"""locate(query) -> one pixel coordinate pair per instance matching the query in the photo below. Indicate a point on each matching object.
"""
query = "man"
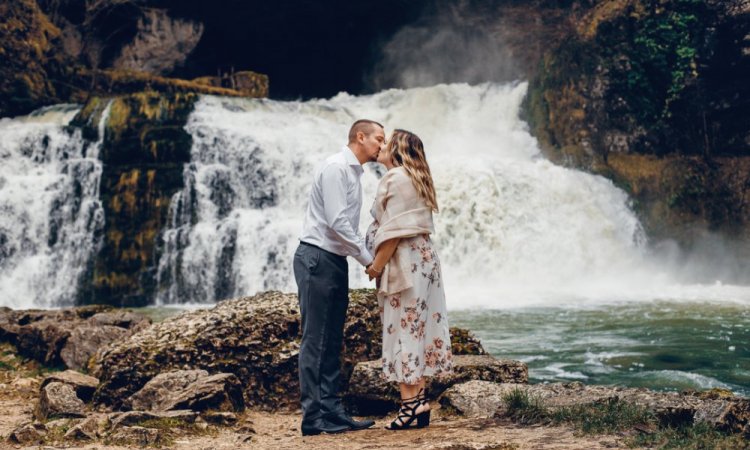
(330, 234)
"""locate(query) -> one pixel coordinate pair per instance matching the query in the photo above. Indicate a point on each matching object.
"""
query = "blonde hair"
(406, 150)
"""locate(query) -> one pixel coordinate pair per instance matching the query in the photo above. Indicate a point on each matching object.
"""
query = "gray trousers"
(323, 289)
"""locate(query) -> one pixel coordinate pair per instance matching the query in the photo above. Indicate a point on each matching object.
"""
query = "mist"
(456, 43)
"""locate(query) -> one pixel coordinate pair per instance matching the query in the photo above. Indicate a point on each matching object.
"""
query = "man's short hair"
(363, 125)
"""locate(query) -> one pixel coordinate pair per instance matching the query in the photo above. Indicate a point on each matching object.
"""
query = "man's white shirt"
(332, 217)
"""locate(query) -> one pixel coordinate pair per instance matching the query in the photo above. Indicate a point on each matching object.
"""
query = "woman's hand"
(373, 273)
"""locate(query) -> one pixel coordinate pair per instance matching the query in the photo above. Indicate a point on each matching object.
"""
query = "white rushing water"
(513, 229)
(51, 211)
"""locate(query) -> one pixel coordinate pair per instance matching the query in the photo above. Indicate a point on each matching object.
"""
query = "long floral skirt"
(416, 339)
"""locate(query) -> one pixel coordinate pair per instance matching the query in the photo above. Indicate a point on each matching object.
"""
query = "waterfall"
(51, 210)
(512, 225)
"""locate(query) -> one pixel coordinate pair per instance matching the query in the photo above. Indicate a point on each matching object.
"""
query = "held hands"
(373, 273)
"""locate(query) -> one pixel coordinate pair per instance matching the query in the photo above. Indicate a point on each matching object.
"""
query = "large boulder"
(159, 390)
(254, 338)
(83, 385)
(84, 341)
(190, 389)
(370, 393)
(59, 400)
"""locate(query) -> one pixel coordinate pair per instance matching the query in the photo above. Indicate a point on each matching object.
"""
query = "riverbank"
(224, 377)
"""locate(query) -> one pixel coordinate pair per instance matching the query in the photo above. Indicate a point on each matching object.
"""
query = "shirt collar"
(350, 158)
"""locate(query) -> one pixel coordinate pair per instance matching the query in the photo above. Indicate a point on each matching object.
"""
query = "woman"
(416, 340)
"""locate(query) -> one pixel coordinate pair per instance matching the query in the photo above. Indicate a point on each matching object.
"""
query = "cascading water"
(51, 211)
(512, 227)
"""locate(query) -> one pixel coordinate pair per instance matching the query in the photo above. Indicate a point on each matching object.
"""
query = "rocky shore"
(225, 377)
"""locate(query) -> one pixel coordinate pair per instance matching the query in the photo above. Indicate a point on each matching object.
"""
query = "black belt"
(321, 249)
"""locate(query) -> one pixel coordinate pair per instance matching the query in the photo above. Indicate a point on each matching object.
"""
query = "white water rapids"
(51, 211)
(514, 229)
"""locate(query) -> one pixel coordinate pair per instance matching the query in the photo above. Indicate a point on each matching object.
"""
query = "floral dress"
(416, 339)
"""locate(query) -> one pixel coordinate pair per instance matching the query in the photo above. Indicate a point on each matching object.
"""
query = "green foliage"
(654, 58)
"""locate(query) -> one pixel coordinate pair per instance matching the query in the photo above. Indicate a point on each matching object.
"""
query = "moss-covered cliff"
(38, 68)
(654, 95)
(143, 154)
(30, 57)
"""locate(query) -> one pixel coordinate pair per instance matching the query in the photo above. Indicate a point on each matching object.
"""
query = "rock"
(43, 340)
(190, 389)
(86, 430)
(63, 423)
(84, 341)
(221, 391)
(28, 434)
(473, 398)
(120, 318)
(59, 400)
(139, 436)
(369, 393)
(254, 338)
(26, 385)
(84, 385)
(160, 43)
(674, 409)
(131, 418)
(220, 418)
(68, 337)
(158, 391)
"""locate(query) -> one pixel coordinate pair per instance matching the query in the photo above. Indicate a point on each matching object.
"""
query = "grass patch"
(608, 417)
(526, 409)
(166, 423)
(617, 416)
(695, 437)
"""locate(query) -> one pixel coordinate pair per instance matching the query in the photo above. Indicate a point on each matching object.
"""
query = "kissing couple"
(396, 252)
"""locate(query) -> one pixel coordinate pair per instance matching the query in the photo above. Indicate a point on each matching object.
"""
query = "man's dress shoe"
(322, 426)
(344, 419)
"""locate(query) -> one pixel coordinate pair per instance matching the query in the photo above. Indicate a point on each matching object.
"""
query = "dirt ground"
(19, 387)
(281, 431)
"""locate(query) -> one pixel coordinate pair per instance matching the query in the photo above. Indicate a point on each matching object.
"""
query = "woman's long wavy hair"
(406, 150)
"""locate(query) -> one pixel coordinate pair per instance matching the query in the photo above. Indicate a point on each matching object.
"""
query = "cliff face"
(144, 150)
(653, 94)
(53, 52)
(29, 55)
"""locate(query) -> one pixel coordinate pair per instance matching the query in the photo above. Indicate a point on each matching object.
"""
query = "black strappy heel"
(423, 419)
(407, 414)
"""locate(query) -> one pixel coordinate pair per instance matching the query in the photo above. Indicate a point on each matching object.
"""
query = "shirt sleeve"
(334, 189)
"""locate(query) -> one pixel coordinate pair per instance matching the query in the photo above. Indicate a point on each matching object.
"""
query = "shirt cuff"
(364, 257)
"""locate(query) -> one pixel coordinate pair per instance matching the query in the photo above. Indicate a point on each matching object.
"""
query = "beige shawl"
(400, 213)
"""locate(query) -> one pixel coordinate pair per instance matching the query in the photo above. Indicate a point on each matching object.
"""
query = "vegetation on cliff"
(652, 94)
